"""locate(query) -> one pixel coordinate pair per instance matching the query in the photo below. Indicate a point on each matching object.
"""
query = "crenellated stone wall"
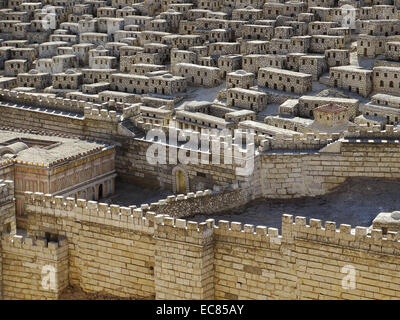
(106, 126)
(291, 173)
(207, 202)
(308, 261)
(33, 269)
(184, 259)
(111, 248)
(128, 253)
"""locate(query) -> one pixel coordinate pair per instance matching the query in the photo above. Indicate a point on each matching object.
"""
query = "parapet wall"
(69, 105)
(307, 141)
(128, 253)
(41, 101)
(291, 174)
(111, 248)
(205, 202)
(305, 262)
(102, 114)
(130, 218)
(316, 141)
(100, 125)
(374, 132)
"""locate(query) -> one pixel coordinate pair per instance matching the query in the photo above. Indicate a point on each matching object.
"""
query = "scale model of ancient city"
(199, 149)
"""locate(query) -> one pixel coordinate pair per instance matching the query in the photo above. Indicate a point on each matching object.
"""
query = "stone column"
(184, 259)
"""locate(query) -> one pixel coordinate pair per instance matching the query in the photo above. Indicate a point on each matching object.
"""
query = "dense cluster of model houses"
(254, 53)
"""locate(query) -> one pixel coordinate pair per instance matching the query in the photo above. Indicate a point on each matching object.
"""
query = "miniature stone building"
(247, 99)
(351, 78)
(307, 105)
(313, 64)
(253, 62)
(382, 110)
(155, 116)
(196, 75)
(257, 32)
(386, 79)
(240, 79)
(15, 66)
(67, 80)
(265, 129)
(331, 115)
(164, 84)
(240, 115)
(393, 50)
(36, 160)
(337, 57)
(197, 121)
(34, 78)
(285, 80)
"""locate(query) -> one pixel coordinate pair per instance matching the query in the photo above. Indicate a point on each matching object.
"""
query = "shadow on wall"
(127, 194)
(356, 202)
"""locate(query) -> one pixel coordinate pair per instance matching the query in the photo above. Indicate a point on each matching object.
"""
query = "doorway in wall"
(180, 181)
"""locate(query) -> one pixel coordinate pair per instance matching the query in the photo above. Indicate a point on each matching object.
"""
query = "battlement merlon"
(375, 132)
(174, 198)
(131, 217)
(260, 235)
(54, 250)
(359, 237)
(44, 101)
(299, 141)
(102, 115)
(190, 232)
(90, 110)
(166, 227)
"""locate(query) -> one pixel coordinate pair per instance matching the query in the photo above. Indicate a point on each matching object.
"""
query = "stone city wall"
(205, 202)
(111, 248)
(33, 269)
(34, 118)
(103, 125)
(308, 141)
(305, 262)
(283, 175)
(292, 174)
(124, 252)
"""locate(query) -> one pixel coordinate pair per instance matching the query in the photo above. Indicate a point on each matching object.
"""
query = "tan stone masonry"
(124, 252)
